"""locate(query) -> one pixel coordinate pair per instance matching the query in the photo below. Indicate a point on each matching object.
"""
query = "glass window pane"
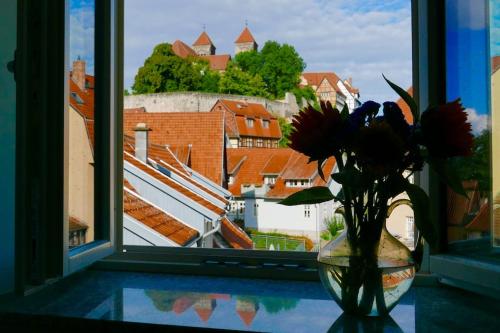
(81, 123)
(209, 104)
(495, 116)
(471, 75)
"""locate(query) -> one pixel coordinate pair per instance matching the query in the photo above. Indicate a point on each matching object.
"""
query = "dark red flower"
(446, 132)
(317, 134)
(379, 149)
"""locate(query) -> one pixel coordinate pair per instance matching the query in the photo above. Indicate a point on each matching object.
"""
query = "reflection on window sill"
(141, 299)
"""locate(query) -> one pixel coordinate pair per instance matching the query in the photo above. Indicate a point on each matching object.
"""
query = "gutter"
(214, 230)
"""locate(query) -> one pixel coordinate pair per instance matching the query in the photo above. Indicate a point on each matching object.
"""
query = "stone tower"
(203, 45)
(245, 42)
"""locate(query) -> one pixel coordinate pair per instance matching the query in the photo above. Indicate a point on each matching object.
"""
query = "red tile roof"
(183, 153)
(182, 50)
(292, 171)
(245, 37)
(203, 39)
(247, 109)
(480, 222)
(315, 79)
(405, 108)
(283, 162)
(236, 114)
(164, 157)
(237, 238)
(203, 130)
(82, 101)
(234, 162)
(218, 62)
(173, 184)
(255, 160)
(75, 224)
(495, 64)
(158, 220)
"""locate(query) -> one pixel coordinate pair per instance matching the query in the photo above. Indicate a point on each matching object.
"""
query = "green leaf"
(308, 196)
(447, 174)
(407, 98)
(349, 176)
(421, 212)
(344, 114)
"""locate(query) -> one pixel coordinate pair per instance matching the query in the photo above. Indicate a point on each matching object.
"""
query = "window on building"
(410, 227)
(249, 122)
(307, 211)
(270, 179)
(255, 207)
(260, 143)
(265, 123)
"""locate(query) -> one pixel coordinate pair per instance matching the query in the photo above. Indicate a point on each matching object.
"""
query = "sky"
(362, 39)
(354, 38)
(81, 32)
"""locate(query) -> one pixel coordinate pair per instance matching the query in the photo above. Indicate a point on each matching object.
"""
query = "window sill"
(471, 274)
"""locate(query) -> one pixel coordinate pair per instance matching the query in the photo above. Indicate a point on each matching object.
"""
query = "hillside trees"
(279, 65)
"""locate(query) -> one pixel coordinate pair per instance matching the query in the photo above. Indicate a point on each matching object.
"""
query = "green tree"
(239, 82)
(476, 166)
(164, 71)
(209, 79)
(279, 65)
(286, 129)
(306, 93)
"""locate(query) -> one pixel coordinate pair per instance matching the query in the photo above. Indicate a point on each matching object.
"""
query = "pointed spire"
(245, 36)
(203, 39)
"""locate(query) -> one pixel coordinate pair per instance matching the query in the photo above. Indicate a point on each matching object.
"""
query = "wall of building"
(290, 220)
(397, 222)
(81, 174)
(326, 88)
(8, 14)
(203, 102)
(168, 200)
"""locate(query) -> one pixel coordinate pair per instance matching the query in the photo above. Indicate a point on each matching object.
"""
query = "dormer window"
(77, 98)
(298, 183)
(249, 122)
(265, 123)
(270, 180)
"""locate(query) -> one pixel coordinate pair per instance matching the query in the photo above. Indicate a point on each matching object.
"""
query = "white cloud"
(358, 39)
(479, 122)
(81, 33)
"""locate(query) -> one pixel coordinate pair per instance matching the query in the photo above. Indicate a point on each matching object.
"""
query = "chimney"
(78, 73)
(141, 142)
(350, 81)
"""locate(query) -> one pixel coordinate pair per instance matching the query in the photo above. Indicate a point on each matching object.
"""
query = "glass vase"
(367, 284)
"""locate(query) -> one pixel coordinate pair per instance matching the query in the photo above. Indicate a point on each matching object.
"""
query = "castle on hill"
(204, 47)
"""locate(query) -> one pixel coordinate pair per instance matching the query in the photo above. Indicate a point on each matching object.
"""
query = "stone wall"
(203, 102)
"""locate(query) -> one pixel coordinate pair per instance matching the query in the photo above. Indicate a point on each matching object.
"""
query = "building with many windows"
(249, 124)
(330, 88)
(260, 178)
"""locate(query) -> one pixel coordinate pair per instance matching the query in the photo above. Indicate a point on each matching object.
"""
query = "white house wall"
(291, 220)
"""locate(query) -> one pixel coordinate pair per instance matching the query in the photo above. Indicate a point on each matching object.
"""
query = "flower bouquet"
(366, 270)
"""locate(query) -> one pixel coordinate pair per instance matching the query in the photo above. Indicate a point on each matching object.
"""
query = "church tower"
(203, 46)
(245, 42)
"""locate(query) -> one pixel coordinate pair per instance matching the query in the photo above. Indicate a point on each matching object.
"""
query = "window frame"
(108, 129)
(430, 75)
(427, 28)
